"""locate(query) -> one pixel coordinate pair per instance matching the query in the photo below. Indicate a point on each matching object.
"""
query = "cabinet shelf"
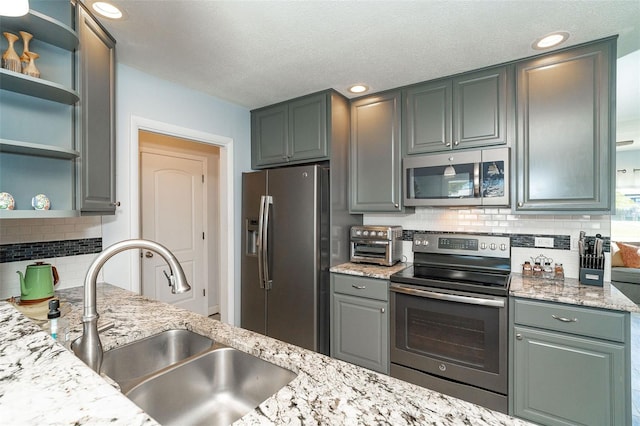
(43, 28)
(40, 150)
(37, 214)
(37, 87)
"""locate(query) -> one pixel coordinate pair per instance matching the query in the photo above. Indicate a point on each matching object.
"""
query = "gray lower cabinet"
(97, 177)
(566, 130)
(360, 321)
(569, 364)
(291, 132)
(375, 154)
(471, 110)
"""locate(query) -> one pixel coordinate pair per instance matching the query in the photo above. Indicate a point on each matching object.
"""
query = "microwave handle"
(476, 180)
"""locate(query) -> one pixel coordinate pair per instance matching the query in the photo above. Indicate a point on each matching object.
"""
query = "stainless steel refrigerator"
(285, 254)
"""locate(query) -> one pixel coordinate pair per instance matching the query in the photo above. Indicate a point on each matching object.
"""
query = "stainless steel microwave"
(464, 178)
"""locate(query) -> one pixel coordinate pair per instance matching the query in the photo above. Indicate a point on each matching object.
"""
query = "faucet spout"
(89, 346)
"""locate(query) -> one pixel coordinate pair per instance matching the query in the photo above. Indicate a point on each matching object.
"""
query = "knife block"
(592, 270)
(590, 276)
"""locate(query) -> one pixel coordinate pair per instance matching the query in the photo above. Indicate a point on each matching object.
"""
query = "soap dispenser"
(58, 328)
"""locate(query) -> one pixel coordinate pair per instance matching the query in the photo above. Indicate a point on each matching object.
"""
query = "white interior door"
(173, 208)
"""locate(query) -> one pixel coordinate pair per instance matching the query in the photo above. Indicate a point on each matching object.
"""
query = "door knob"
(148, 255)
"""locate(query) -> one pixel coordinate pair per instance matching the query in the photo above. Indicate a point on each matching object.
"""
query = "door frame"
(226, 243)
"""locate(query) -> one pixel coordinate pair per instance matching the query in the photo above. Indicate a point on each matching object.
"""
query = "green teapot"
(38, 281)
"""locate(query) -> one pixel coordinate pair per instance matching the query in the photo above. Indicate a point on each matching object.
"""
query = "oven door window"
(459, 333)
(371, 250)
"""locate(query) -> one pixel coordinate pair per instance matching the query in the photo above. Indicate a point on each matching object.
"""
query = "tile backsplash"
(69, 244)
(74, 232)
(522, 228)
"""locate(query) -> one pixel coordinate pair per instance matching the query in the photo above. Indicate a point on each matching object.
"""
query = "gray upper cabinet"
(56, 131)
(290, 133)
(471, 110)
(565, 132)
(375, 154)
(96, 57)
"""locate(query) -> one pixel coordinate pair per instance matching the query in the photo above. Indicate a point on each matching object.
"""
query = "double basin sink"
(180, 377)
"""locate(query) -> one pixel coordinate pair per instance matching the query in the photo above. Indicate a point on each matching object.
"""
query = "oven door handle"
(447, 297)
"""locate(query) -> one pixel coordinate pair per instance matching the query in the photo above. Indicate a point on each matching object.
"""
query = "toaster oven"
(380, 245)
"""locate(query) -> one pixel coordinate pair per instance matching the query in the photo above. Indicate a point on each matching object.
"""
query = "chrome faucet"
(88, 347)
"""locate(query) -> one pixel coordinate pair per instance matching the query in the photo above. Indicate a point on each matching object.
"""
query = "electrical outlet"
(544, 242)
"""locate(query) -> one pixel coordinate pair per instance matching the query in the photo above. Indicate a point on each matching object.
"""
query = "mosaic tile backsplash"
(46, 249)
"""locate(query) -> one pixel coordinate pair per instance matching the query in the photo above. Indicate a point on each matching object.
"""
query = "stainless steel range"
(449, 317)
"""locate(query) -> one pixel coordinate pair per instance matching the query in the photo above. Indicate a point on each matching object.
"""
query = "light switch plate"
(544, 242)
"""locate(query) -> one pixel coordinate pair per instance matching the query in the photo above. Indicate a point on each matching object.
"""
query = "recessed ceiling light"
(14, 8)
(550, 40)
(358, 88)
(107, 10)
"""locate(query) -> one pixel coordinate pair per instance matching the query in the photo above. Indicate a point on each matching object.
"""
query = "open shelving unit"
(24, 150)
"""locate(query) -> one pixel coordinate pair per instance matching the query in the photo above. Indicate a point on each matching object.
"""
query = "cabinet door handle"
(116, 204)
(396, 205)
(359, 287)
(456, 143)
(447, 144)
(519, 336)
(563, 319)
(382, 310)
(520, 204)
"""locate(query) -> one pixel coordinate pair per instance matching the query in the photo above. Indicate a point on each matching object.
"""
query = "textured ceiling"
(255, 53)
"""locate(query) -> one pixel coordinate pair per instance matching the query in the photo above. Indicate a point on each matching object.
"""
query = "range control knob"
(503, 247)
(483, 246)
(492, 246)
(380, 234)
(365, 233)
(358, 232)
(418, 242)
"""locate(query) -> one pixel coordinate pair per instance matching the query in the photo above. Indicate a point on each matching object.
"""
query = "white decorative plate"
(40, 202)
(6, 201)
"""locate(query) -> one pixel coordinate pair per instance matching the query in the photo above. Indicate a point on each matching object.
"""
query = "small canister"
(537, 269)
(559, 271)
(527, 269)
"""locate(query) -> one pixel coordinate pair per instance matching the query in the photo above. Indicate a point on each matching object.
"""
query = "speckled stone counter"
(371, 271)
(570, 291)
(43, 383)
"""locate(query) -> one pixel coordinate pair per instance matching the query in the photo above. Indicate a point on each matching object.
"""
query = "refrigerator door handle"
(265, 239)
(260, 242)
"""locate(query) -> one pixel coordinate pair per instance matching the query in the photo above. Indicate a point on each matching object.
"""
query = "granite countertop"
(41, 382)
(570, 291)
(367, 270)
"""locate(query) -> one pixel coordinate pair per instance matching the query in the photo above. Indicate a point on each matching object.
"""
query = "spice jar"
(537, 269)
(527, 269)
(547, 270)
(559, 271)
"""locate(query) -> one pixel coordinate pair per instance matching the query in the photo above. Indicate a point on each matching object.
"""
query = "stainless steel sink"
(130, 364)
(215, 388)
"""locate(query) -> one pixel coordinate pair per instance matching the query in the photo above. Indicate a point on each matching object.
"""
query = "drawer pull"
(563, 319)
(359, 287)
